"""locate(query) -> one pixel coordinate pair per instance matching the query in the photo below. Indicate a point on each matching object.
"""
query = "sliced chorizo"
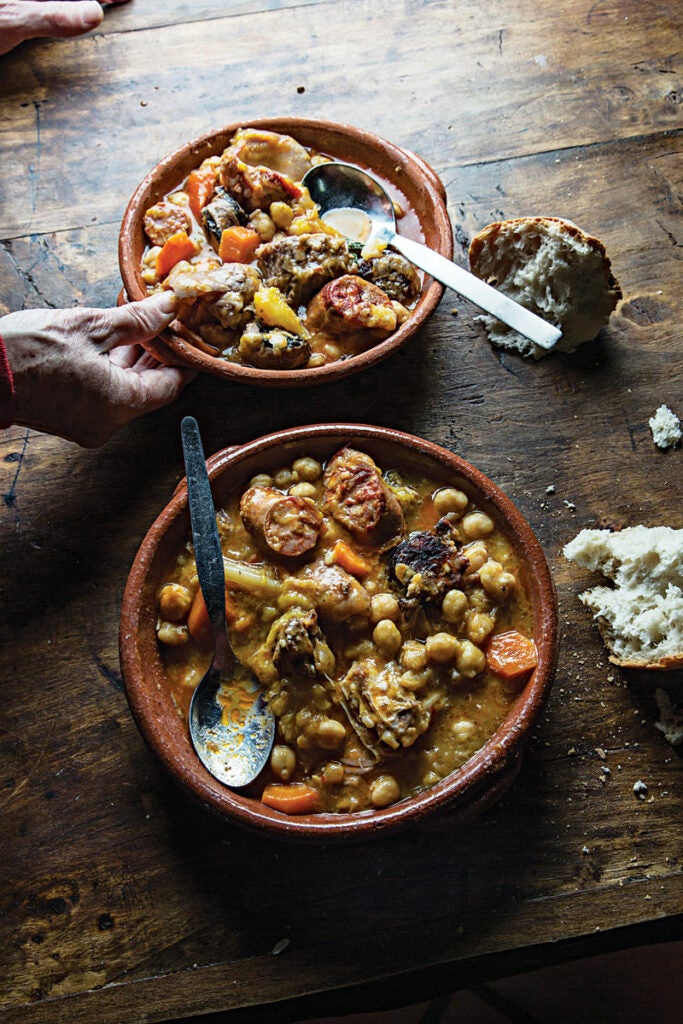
(359, 499)
(351, 305)
(165, 219)
(285, 524)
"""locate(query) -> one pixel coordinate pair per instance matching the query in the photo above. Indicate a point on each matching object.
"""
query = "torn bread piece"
(641, 616)
(551, 267)
(666, 427)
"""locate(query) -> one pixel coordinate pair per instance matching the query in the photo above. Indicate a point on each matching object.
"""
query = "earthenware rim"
(406, 167)
(487, 768)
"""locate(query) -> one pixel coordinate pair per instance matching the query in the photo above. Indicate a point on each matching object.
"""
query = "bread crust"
(554, 268)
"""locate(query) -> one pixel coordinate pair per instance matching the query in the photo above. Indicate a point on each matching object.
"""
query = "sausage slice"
(285, 524)
(358, 498)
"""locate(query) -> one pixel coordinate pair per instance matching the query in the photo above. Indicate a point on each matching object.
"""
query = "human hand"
(28, 19)
(81, 374)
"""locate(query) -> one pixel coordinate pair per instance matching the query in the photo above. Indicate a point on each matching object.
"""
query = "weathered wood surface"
(120, 900)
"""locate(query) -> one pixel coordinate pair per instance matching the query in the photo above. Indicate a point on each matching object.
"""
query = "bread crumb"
(666, 427)
(640, 789)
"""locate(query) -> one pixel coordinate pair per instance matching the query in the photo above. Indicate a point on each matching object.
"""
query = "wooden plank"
(84, 120)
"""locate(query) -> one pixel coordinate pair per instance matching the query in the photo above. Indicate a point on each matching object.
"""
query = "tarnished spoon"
(357, 205)
(231, 726)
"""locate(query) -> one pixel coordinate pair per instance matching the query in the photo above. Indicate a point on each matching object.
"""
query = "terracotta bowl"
(407, 176)
(466, 791)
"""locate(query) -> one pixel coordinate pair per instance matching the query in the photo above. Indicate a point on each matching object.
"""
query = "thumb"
(59, 18)
(139, 321)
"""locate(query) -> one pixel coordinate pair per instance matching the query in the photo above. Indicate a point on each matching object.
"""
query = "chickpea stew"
(261, 279)
(384, 614)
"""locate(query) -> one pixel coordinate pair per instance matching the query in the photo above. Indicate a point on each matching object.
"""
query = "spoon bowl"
(231, 726)
(355, 203)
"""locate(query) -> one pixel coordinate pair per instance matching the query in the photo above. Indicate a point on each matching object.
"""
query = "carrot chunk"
(343, 555)
(511, 654)
(198, 622)
(200, 187)
(238, 245)
(295, 798)
(178, 247)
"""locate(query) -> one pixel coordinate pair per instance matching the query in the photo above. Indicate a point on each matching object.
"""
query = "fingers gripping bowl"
(407, 643)
(224, 222)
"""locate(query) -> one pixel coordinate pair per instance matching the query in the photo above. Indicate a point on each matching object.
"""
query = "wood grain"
(121, 901)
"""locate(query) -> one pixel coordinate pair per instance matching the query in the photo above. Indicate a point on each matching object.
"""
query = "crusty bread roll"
(555, 270)
(641, 616)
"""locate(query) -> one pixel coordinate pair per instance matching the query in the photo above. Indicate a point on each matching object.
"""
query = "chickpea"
(415, 680)
(261, 480)
(283, 761)
(387, 637)
(175, 601)
(324, 660)
(150, 257)
(330, 733)
(307, 469)
(331, 350)
(316, 359)
(384, 606)
(179, 199)
(281, 215)
(442, 647)
(384, 790)
(149, 275)
(476, 555)
(172, 635)
(470, 661)
(449, 499)
(463, 730)
(303, 490)
(478, 627)
(333, 773)
(454, 605)
(414, 655)
(477, 525)
(497, 583)
(268, 613)
(284, 478)
(261, 223)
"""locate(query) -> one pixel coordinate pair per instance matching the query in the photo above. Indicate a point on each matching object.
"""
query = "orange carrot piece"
(178, 247)
(294, 798)
(511, 654)
(343, 555)
(198, 622)
(238, 245)
(200, 187)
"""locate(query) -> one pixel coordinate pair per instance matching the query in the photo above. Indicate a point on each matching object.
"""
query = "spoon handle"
(207, 545)
(471, 287)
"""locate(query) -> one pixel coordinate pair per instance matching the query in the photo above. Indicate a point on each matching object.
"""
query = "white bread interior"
(641, 616)
(551, 267)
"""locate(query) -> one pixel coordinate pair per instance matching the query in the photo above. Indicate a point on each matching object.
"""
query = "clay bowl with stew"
(484, 774)
(410, 182)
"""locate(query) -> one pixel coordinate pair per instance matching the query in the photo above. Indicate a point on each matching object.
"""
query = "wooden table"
(120, 900)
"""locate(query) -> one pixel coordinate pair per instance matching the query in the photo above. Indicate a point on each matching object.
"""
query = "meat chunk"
(210, 277)
(359, 499)
(283, 524)
(165, 219)
(430, 563)
(255, 187)
(295, 648)
(222, 212)
(272, 348)
(333, 592)
(394, 275)
(351, 306)
(259, 148)
(379, 708)
(302, 264)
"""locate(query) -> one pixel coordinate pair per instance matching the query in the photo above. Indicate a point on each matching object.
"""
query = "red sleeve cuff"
(6, 390)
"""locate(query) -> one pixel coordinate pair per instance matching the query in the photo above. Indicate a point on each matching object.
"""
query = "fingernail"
(91, 14)
(166, 302)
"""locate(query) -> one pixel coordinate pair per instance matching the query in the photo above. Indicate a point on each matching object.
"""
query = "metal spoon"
(231, 726)
(357, 205)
